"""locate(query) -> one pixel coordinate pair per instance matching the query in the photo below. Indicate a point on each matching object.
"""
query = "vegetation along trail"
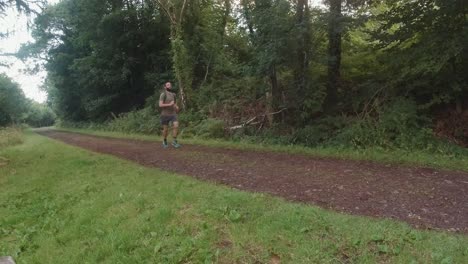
(425, 198)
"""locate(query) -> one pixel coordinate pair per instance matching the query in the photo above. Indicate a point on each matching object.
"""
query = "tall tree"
(13, 103)
(335, 29)
(183, 66)
(269, 25)
(301, 75)
(425, 48)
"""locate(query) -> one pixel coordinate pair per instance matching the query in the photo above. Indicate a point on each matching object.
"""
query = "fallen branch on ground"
(251, 121)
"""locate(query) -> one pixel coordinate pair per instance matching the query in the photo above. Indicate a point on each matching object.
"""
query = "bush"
(144, 121)
(191, 118)
(388, 129)
(210, 128)
(10, 136)
(277, 134)
(39, 115)
(398, 125)
(319, 132)
(81, 125)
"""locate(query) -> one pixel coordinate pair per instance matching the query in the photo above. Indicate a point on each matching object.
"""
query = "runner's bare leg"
(175, 129)
(165, 131)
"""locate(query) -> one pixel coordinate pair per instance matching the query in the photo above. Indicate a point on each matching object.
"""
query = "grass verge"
(412, 158)
(10, 136)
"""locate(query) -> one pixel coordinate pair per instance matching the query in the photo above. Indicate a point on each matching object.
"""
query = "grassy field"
(60, 204)
(413, 158)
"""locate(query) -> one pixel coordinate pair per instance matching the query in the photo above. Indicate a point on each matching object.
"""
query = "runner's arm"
(163, 98)
(162, 104)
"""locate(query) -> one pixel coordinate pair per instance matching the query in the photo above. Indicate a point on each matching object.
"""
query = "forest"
(358, 73)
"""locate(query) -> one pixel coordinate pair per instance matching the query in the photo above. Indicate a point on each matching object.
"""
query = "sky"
(16, 24)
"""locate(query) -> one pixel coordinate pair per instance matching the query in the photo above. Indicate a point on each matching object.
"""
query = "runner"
(169, 110)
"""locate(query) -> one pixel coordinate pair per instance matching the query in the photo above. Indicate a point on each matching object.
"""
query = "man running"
(169, 109)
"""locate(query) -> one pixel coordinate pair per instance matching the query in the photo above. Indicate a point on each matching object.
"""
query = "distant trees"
(15, 108)
(13, 104)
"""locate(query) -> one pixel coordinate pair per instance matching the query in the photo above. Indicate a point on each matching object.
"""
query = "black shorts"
(165, 120)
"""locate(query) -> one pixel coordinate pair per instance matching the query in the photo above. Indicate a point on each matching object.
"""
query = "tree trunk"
(334, 56)
(178, 61)
(248, 18)
(275, 94)
(180, 56)
(227, 11)
(302, 21)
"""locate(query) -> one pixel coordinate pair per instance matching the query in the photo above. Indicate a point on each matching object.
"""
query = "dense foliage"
(12, 101)
(312, 74)
(15, 108)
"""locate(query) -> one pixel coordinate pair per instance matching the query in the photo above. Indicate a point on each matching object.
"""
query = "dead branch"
(166, 10)
(251, 121)
(181, 16)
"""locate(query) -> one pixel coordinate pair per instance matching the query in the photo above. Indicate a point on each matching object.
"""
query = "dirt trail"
(425, 198)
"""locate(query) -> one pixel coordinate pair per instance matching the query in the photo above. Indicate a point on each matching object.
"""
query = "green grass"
(413, 158)
(60, 204)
